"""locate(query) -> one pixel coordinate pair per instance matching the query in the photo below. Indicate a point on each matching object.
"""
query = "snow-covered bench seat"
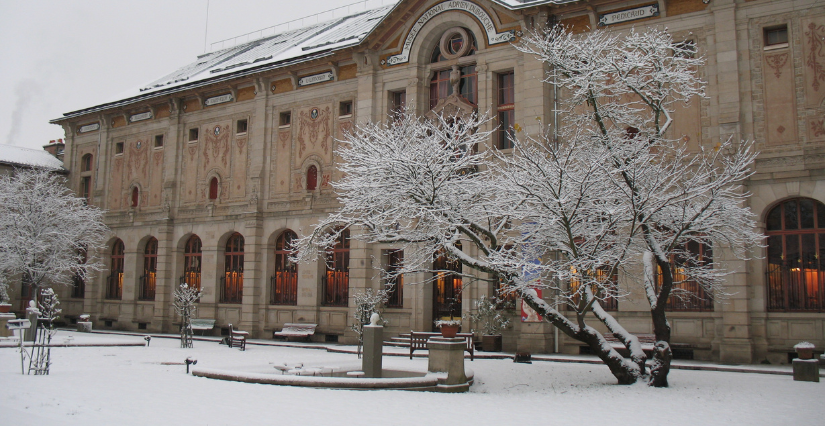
(202, 324)
(680, 350)
(418, 340)
(237, 338)
(295, 330)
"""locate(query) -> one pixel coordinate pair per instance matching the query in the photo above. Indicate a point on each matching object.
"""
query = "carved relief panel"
(780, 105)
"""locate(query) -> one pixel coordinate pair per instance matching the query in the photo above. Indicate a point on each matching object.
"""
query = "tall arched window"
(114, 285)
(213, 189)
(312, 178)
(192, 263)
(336, 276)
(232, 288)
(446, 286)
(150, 270)
(796, 246)
(135, 196)
(284, 284)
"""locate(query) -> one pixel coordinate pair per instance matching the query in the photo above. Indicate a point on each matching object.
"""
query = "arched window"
(135, 196)
(392, 261)
(114, 287)
(150, 270)
(796, 246)
(336, 277)
(86, 163)
(284, 284)
(232, 288)
(441, 87)
(213, 189)
(192, 263)
(687, 294)
(312, 178)
(447, 286)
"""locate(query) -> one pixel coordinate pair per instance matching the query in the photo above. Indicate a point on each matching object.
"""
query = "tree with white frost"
(609, 191)
(48, 236)
(184, 304)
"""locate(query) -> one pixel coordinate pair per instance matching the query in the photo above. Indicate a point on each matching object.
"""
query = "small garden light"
(189, 361)
(147, 338)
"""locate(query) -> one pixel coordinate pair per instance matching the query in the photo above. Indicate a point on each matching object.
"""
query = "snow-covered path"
(148, 385)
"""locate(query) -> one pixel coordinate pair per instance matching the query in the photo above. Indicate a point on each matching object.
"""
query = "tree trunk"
(662, 354)
(625, 372)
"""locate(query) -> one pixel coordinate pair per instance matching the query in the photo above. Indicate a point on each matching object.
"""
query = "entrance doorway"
(446, 288)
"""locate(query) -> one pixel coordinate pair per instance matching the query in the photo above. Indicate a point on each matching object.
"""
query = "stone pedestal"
(371, 361)
(806, 370)
(4, 319)
(84, 326)
(447, 356)
(31, 332)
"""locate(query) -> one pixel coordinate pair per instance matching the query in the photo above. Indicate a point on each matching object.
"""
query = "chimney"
(55, 147)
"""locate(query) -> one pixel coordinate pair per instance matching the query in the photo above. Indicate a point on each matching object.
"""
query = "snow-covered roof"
(277, 51)
(17, 156)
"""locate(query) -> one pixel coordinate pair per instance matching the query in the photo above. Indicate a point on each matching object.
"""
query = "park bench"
(202, 324)
(418, 340)
(295, 330)
(237, 339)
(679, 350)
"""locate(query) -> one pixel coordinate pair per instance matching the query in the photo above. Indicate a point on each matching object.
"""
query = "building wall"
(774, 97)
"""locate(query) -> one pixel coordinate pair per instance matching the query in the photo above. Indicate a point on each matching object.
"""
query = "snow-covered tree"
(367, 302)
(422, 185)
(47, 235)
(609, 191)
(184, 303)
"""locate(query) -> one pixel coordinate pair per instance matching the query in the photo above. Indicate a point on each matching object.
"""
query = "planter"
(805, 353)
(491, 343)
(449, 331)
(84, 326)
(804, 350)
(5, 308)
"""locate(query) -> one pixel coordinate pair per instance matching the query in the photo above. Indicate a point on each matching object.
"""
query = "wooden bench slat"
(296, 330)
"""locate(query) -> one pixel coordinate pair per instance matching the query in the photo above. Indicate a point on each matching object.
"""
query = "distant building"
(49, 158)
(207, 172)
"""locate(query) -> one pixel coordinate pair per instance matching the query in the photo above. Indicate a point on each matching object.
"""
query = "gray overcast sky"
(62, 55)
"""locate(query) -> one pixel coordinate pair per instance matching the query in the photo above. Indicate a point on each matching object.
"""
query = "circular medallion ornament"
(455, 43)
(217, 130)
(313, 113)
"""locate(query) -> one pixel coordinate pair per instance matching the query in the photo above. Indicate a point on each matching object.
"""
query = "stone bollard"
(32, 314)
(806, 370)
(447, 356)
(372, 361)
(84, 326)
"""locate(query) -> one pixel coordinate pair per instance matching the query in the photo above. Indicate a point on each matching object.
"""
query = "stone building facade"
(207, 172)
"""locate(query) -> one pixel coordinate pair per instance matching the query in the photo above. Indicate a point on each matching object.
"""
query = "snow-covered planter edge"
(804, 345)
(453, 322)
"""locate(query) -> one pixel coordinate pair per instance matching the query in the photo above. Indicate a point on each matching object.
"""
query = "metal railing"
(232, 287)
(284, 288)
(796, 288)
(147, 286)
(336, 288)
(114, 286)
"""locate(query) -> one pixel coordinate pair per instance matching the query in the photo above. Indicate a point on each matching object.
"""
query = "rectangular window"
(241, 126)
(398, 101)
(193, 134)
(345, 109)
(687, 293)
(776, 36)
(158, 141)
(393, 282)
(119, 148)
(506, 110)
(285, 119)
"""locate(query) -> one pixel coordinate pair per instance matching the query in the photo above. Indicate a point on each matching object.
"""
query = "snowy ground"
(148, 385)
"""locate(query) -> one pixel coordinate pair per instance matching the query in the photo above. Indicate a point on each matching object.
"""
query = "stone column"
(371, 361)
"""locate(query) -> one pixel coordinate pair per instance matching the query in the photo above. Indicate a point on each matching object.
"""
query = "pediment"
(452, 106)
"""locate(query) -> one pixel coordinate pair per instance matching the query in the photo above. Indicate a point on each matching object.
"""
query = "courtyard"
(134, 385)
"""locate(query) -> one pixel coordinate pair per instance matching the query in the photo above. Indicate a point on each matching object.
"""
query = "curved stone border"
(430, 382)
